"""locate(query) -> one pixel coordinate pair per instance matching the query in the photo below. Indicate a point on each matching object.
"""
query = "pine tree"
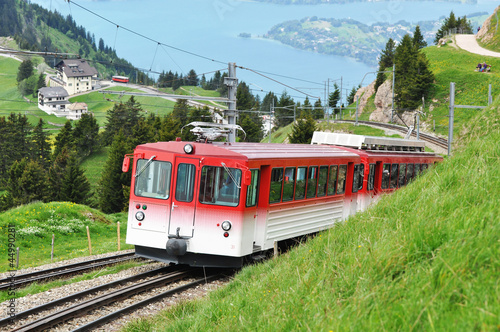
(75, 185)
(113, 180)
(41, 147)
(25, 70)
(56, 175)
(413, 77)
(252, 125)
(386, 61)
(334, 97)
(285, 112)
(64, 139)
(302, 130)
(460, 25)
(418, 39)
(28, 182)
(86, 135)
(244, 98)
(122, 117)
(318, 112)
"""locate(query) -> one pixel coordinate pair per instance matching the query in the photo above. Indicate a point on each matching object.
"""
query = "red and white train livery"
(216, 204)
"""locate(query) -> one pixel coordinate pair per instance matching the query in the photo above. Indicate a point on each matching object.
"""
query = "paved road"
(469, 44)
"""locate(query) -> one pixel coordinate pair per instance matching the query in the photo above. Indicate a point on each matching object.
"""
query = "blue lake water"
(209, 29)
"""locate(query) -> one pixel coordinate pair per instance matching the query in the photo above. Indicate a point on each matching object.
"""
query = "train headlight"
(140, 216)
(188, 148)
(226, 225)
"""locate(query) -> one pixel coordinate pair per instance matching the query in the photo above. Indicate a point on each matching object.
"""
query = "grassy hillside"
(35, 223)
(425, 258)
(471, 88)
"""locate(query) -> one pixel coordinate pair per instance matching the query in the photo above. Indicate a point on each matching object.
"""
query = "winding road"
(469, 44)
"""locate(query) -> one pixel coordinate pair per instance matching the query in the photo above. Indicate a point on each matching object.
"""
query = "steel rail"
(15, 281)
(115, 315)
(50, 305)
(81, 309)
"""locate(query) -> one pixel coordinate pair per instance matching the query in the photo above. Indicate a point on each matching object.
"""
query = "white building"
(75, 75)
(54, 101)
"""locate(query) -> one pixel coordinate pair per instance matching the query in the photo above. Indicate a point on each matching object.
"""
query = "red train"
(120, 79)
(218, 204)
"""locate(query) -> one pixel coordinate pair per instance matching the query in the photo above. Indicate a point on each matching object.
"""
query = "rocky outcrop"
(485, 34)
(363, 94)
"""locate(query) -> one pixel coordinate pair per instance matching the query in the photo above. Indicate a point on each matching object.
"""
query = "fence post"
(52, 249)
(88, 237)
(118, 233)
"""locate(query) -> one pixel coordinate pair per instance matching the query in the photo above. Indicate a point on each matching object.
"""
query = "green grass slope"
(426, 258)
(35, 223)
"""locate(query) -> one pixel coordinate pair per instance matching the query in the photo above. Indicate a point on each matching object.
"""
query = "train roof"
(368, 143)
(252, 151)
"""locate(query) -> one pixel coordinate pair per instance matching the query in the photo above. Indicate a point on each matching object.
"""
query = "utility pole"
(232, 84)
(393, 82)
(328, 103)
(271, 111)
(340, 97)
(452, 111)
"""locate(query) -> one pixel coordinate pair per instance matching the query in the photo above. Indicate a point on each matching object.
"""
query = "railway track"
(125, 289)
(441, 142)
(17, 281)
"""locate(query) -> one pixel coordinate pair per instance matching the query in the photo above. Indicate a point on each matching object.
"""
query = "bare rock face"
(485, 34)
(365, 93)
(383, 103)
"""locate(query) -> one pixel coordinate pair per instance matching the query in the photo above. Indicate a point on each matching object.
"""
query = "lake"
(209, 31)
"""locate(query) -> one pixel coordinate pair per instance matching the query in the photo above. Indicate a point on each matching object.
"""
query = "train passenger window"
(300, 187)
(185, 182)
(417, 170)
(386, 175)
(357, 181)
(371, 177)
(394, 175)
(154, 180)
(409, 173)
(218, 187)
(341, 179)
(289, 184)
(332, 180)
(276, 184)
(322, 177)
(312, 181)
(253, 188)
(402, 175)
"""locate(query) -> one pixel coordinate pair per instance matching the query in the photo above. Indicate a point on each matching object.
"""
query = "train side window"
(402, 175)
(154, 180)
(332, 180)
(322, 180)
(276, 184)
(409, 173)
(217, 186)
(300, 187)
(394, 175)
(357, 181)
(289, 184)
(185, 182)
(371, 177)
(417, 170)
(386, 175)
(341, 179)
(312, 181)
(253, 188)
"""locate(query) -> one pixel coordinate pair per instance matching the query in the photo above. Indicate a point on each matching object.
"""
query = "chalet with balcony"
(75, 75)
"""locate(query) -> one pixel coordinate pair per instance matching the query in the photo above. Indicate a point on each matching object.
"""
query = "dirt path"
(469, 44)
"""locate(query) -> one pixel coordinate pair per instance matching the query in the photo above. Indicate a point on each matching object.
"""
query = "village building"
(75, 75)
(54, 101)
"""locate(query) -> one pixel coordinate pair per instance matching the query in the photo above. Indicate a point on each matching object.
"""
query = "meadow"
(425, 258)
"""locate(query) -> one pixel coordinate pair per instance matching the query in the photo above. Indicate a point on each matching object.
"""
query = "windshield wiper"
(145, 166)
(231, 175)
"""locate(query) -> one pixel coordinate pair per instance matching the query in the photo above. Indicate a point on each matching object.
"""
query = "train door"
(182, 213)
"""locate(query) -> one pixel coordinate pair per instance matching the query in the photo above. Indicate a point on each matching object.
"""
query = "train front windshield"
(220, 186)
(153, 179)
